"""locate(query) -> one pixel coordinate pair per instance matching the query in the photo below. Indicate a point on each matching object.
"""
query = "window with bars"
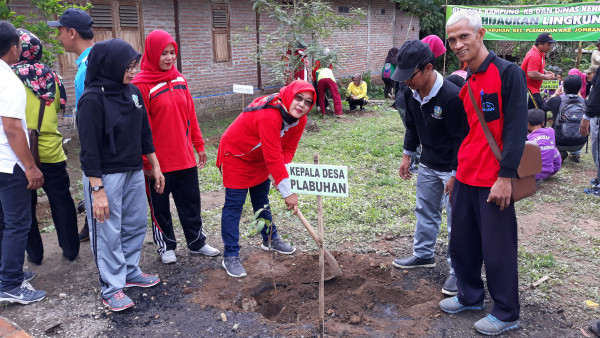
(221, 33)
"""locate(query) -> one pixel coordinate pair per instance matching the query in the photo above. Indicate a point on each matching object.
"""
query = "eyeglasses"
(301, 98)
(414, 74)
(133, 67)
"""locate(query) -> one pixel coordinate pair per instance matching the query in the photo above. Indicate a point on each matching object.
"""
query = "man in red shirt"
(533, 66)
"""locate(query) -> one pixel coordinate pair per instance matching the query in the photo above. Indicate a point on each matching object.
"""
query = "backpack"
(387, 71)
(570, 114)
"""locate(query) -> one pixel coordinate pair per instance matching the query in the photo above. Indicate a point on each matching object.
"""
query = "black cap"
(545, 37)
(411, 54)
(74, 18)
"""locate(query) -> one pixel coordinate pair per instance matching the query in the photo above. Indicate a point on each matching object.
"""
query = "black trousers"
(482, 233)
(353, 103)
(538, 100)
(56, 185)
(183, 185)
(390, 85)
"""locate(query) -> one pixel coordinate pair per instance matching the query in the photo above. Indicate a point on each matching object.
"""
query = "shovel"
(333, 264)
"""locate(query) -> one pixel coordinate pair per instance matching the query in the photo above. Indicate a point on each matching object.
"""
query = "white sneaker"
(168, 257)
(206, 250)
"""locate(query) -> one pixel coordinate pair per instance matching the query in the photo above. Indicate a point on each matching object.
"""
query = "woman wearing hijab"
(114, 134)
(386, 73)
(583, 77)
(175, 134)
(357, 92)
(256, 146)
(44, 89)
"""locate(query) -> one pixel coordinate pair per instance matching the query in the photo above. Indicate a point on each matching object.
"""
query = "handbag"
(531, 161)
(34, 136)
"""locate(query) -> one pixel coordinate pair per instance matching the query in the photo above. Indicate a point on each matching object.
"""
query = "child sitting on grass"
(544, 137)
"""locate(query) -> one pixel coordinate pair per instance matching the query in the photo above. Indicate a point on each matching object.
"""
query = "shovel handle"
(310, 229)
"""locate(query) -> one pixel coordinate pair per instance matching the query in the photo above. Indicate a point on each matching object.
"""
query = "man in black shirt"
(436, 119)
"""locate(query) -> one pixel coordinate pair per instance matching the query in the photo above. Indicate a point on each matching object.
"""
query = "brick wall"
(361, 49)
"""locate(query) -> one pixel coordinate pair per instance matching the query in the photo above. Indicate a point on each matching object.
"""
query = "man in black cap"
(76, 34)
(533, 66)
(436, 119)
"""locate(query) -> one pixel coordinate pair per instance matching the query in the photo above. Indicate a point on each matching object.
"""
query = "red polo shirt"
(534, 61)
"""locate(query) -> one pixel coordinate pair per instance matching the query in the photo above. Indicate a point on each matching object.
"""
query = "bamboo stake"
(321, 259)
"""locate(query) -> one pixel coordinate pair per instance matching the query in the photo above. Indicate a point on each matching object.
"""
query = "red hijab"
(156, 42)
(288, 92)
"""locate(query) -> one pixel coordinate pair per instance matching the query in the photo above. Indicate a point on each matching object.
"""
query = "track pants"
(183, 185)
(117, 243)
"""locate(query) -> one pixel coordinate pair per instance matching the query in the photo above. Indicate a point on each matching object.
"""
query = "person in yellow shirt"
(44, 86)
(357, 93)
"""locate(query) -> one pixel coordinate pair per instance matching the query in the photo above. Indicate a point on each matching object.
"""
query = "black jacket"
(440, 125)
(593, 105)
(132, 137)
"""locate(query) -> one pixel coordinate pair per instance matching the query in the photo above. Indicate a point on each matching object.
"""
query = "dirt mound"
(369, 298)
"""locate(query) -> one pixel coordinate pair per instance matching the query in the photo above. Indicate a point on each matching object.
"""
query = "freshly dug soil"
(370, 298)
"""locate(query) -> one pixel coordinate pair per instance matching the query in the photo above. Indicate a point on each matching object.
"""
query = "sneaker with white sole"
(233, 266)
(450, 288)
(206, 250)
(24, 294)
(118, 302)
(278, 245)
(492, 326)
(168, 257)
(452, 305)
(143, 281)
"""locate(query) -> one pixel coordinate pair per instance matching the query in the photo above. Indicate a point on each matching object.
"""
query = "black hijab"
(106, 65)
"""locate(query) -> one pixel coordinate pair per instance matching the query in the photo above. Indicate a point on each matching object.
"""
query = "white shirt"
(12, 104)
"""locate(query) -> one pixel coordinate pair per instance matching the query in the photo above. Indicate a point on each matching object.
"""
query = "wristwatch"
(97, 188)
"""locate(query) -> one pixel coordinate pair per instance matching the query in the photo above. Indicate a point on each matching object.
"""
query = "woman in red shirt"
(256, 146)
(175, 133)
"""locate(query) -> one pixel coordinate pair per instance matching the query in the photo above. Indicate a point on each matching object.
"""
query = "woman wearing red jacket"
(175, 133)
(258, 144)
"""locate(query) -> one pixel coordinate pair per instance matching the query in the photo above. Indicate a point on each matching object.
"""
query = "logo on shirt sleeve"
(136, 101)
(437, 113)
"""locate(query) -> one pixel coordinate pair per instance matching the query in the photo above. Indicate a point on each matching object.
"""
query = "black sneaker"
(84, 234)
(594, 326)
(414, 262)
(575, 158)
(595, 182)
(450, 287)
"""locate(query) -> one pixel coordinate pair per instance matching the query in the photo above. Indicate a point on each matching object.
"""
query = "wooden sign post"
(319, 180)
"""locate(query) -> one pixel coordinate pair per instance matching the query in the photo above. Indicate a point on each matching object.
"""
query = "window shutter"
(102, 16)
(221, 33)
(128, 16)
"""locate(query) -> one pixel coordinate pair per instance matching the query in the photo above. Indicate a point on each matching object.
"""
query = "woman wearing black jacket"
(114, 134)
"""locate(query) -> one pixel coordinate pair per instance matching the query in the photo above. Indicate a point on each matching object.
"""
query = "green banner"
(549, 84)
(572, 22)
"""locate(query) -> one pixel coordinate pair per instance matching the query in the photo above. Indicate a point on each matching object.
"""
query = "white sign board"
(243, 89)
(324, 180)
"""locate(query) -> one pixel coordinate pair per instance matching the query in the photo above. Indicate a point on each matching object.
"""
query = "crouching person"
(259, 143)
(544, 137)
(114, 133)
